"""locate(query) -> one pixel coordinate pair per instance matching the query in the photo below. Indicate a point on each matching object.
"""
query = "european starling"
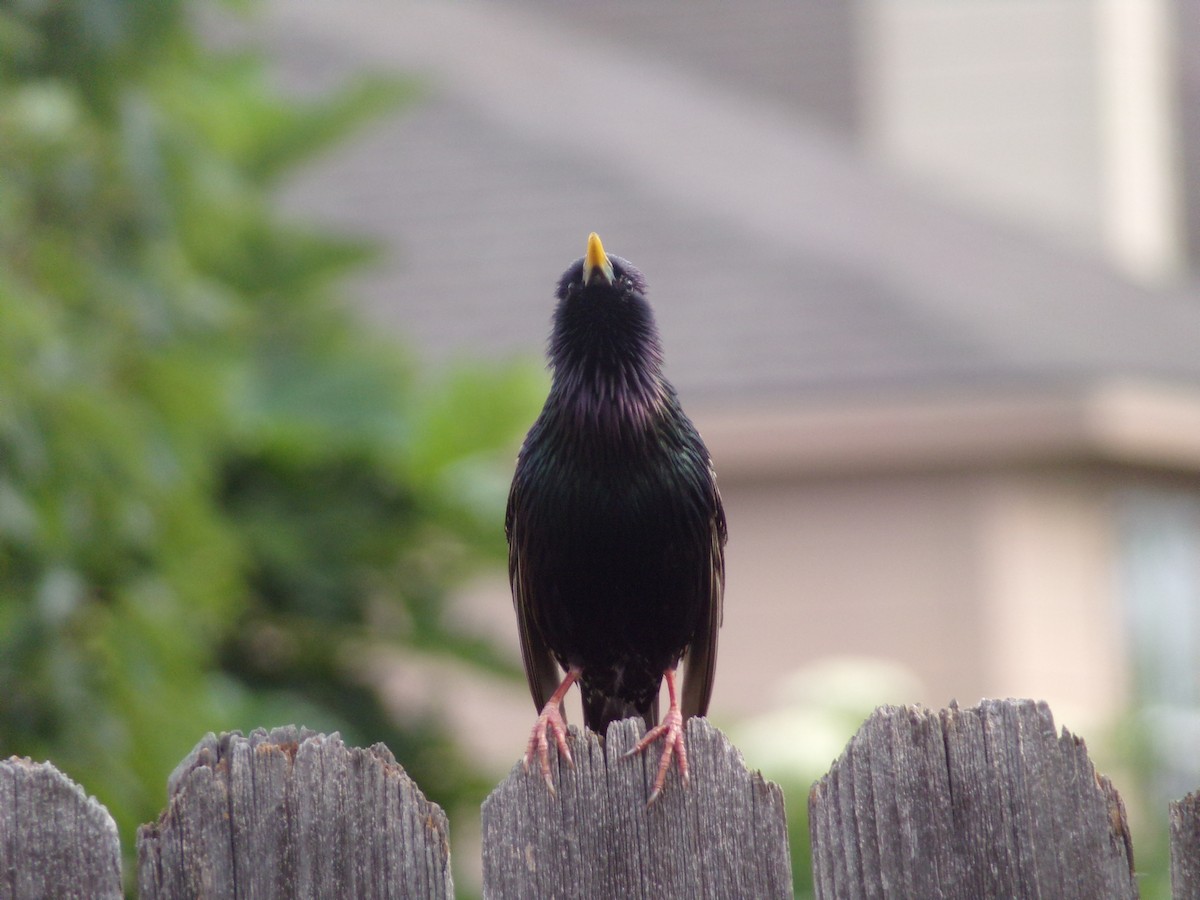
(615, 528)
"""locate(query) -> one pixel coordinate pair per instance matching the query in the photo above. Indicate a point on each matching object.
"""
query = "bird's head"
(604, 331)
(599, 276)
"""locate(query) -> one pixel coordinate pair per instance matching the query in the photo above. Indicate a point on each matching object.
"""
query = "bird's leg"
(671, 731)
(551, 718)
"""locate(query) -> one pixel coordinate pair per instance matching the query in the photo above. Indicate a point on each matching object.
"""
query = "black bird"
(616, 531)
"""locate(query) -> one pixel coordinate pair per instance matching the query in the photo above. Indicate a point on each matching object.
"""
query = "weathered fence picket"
(968, 803)
(987, 802)
(1185, 847)
(724, 836)
(55, 841)
(290, 813)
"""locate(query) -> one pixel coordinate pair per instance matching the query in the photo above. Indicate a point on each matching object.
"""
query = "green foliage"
(1132, 754)
(218, 494)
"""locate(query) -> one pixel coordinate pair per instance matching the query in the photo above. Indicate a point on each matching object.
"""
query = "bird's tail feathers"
(599, 710)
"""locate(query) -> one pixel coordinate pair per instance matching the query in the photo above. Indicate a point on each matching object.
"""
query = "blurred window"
(1159, 560)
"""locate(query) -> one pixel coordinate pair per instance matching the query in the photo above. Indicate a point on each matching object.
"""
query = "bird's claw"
(670, 731)
(551, 719)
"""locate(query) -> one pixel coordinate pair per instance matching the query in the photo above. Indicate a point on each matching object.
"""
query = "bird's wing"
(541, 671)
(702, 654)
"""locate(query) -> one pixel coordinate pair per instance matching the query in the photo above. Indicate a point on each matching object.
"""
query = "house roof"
(787, 271)
(802, 56)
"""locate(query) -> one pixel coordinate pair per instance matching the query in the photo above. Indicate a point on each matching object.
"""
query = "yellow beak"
(595, 261)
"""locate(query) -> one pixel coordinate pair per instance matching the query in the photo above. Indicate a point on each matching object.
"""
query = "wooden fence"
(985, 802)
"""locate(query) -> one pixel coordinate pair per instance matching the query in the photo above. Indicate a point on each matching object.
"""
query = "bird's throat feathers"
(606, 360)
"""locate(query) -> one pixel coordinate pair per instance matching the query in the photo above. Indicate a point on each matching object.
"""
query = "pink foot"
(670, 731)
(551, 720)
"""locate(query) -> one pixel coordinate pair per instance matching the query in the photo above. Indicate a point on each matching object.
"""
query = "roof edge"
(1122, 421)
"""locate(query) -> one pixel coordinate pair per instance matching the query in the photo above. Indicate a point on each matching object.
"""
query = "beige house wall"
(1051, 615)
(995, 583)
(883, 566)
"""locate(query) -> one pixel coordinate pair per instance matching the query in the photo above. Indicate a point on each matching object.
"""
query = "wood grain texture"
(967, 803)
(725, 835)
(1185, 847)
(293, 814)
(55, 841)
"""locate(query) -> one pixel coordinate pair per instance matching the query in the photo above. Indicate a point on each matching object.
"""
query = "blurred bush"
(216, 489)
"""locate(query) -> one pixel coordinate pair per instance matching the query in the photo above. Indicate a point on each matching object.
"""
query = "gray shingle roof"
(780, 263)
(801, 55)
